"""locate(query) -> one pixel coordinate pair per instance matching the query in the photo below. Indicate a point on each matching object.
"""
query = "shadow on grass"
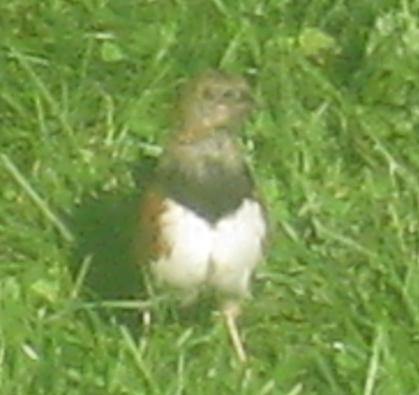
(106, 227)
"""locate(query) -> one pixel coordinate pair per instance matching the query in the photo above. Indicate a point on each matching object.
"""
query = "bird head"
(214, 100)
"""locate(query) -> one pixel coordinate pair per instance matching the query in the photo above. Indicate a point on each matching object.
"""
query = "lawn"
(86, 101)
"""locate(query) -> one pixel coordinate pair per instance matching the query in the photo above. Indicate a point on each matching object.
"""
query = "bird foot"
(231, 311)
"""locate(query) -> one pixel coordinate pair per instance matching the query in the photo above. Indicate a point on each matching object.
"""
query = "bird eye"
(231, 94)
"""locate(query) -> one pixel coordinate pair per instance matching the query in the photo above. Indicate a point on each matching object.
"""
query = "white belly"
(222, 255)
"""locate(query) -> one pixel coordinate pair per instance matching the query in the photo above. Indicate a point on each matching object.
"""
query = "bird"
(203, 225)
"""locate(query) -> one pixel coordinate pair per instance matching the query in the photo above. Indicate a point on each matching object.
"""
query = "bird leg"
(231, 311)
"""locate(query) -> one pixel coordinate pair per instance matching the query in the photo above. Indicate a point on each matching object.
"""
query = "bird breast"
(222, 255)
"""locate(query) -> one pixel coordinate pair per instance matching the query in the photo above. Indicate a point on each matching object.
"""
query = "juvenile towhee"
(202, 223)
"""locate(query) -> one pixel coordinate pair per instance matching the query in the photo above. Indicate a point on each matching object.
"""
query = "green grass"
(85, 101)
